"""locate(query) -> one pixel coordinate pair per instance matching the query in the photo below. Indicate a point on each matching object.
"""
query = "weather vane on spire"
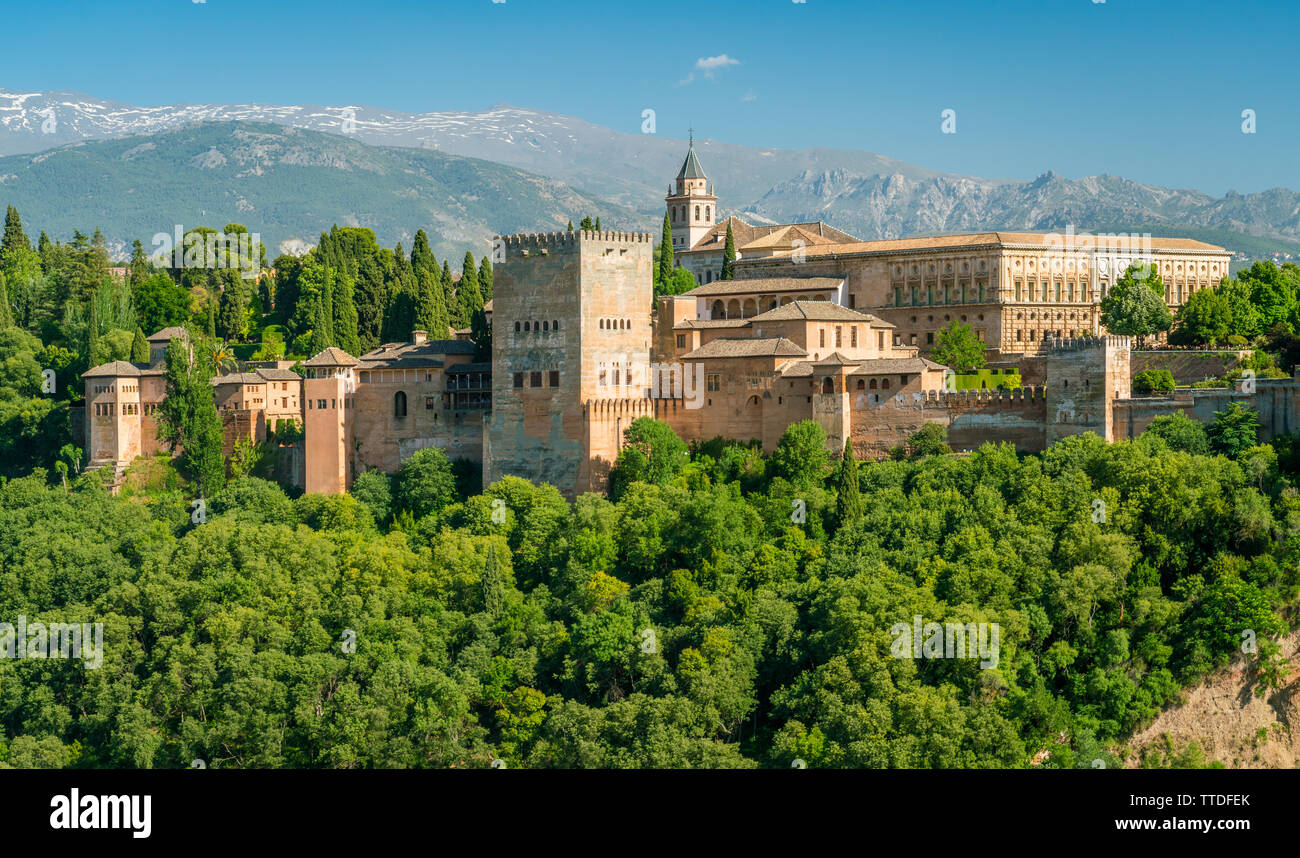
(692, 133)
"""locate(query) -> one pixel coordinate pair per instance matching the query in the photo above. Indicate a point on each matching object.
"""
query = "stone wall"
(571, 323)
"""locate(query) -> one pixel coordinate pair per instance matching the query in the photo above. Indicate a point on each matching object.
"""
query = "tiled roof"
(113, 369)
(729, 348)
(981, 239)
(168, 334)
(332, 356)
(691, 168)
(835, 359)
(279, 374)
(817, 311)
(240, 378)
(426, 354)
(686, 324)
(458, 368)
(785, 237)
(879, 366)
(715, 240)
(764, 286)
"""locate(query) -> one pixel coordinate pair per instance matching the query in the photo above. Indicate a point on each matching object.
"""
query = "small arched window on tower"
(399, 404)
(706, 212)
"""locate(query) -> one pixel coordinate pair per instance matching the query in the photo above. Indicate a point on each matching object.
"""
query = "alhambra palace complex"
(816, 325)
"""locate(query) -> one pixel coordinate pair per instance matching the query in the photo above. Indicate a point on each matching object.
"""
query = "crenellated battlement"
(1062, 345)
(524, 244)
(601, 409)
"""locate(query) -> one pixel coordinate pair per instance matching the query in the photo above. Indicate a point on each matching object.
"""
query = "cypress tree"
(6, 312)
(468, 297)
(570, 224)
(729, 256)
(666, 256)
(139, 347)
(848, 500)
(187, 417)
(586, 225)
(448, 297)
(493, 582)
(598, 223)
(212, 314)
(92, 334)
(345, 316)
(14, 238)
(485, 279)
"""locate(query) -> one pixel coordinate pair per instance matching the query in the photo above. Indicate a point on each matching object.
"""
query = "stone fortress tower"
(570, 328)
(1086, 376)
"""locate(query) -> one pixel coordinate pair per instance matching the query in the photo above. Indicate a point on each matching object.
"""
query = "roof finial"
(692, 133)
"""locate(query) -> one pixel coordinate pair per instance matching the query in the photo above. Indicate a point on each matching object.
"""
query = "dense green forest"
(691, 619)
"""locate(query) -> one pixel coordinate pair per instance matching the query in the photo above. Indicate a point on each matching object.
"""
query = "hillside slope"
(1230, 723)
(288, 184)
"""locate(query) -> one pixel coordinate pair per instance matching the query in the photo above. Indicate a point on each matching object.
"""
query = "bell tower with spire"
(692, 207)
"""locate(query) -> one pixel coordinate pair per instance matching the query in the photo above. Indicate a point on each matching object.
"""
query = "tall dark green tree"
(344, 326)
(729, 256)
(468, 297)
(665, 257)
(139, 347)
(14, 237)
(485, 279)
(6, 310)
(93, 350)
(187, 417)
(848, 498)
(493, 582)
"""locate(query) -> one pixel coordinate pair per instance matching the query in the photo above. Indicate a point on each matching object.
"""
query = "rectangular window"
(880, 340)
(517, 380)
(1018, 290)
(681, 341)
(929, 338)
(839, 339)
(535, 379)
(853, 337)
(853, 300)
(428, 403)
(821, 337)
(554, 378)
(714, 382)
(898, 296)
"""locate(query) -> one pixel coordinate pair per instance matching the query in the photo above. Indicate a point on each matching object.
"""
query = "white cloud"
(709, 65)
(749, 96)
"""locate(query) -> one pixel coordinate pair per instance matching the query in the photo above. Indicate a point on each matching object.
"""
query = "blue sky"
(1149, 89)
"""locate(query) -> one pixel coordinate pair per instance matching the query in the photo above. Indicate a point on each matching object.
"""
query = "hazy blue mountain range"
(622, 176)
(288, 184)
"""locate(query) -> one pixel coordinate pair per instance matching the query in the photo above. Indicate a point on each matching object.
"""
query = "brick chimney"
(419, 337)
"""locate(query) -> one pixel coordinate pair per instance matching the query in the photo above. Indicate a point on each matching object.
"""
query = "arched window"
(546, 326)
(874, 385)
(555, 324)
(697, 212)
(884, 384)
(525, 327)
(828, 386)
(399, 404)
(516, 327)
(706, 212)
(861, 384)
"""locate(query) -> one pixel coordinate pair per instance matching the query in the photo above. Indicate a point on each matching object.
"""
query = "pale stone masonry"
(1015, 289)
(816, 326)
